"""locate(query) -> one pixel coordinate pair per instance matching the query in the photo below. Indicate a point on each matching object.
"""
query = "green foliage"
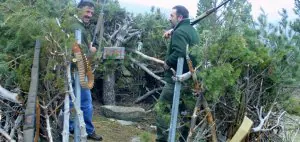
(153, 25)
(210, 23)
(237, 50)
(292, 105)
(145, 137)
(22, 23)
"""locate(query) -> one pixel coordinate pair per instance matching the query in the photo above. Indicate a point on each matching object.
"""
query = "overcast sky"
(271, 7)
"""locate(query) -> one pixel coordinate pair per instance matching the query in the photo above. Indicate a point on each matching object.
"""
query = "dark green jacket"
(86, 33)
(182, 35)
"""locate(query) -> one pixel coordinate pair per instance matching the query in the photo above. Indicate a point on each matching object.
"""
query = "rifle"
(99, 29)
(99, 26)
(208, 12)
(205, 14)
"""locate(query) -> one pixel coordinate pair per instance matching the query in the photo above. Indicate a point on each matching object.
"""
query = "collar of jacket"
(80, 21)
(182, 22)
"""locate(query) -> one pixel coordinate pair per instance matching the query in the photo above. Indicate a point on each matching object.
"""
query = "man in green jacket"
(82, 22)
(182, 34)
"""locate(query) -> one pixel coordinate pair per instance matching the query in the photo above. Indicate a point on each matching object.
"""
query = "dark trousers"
(163, 113)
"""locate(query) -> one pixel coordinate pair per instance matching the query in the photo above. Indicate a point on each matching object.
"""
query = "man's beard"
(86, 20)
(173, 24)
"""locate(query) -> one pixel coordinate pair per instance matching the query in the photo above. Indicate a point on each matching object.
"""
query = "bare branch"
(262, 120)
(296, 133)
(50, 138)
(17, 124)
(147, 70)
(114, 34)
(130, 36)
(6, 135)
(147, 94)
(277, 124)
(147, 57)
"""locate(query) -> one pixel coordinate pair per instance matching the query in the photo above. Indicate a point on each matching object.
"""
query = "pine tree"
(244, 64)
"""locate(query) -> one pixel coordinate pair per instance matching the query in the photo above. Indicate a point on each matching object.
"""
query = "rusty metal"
(37, 121)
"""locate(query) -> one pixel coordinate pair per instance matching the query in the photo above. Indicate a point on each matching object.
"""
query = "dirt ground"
(112, 131)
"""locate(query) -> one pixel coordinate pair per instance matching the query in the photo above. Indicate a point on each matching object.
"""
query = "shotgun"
(99, 29)
(208, 12)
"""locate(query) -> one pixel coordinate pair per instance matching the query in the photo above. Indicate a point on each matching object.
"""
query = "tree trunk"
(109, 88)
(121, 36)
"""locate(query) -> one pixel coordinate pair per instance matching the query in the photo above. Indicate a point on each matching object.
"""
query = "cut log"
(7, 95)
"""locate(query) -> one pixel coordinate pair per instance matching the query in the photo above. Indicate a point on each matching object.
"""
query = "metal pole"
(66, 126)
(30, 112)
(175, 105)
(77, 94)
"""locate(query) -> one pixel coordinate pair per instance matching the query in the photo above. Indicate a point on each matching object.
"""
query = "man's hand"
(167, 34)
(92, 49)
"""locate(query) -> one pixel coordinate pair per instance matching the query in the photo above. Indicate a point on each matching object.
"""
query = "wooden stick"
(65, 132)
(37, 121)
(50, 138)
(77, 107)
(148, 57)
(194, 118)
(143, 67)
(6, 135)
(147, 94)
(16, 125)
(201, 100)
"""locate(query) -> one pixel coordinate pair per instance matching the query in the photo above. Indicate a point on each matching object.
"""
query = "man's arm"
(179, 43)
(168, 34)
(92, 49)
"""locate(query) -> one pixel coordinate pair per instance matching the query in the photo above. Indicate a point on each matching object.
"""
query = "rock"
(125, 123)
(123, 113)
(136, 139)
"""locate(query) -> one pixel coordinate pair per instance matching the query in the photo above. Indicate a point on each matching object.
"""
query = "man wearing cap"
(82, 22)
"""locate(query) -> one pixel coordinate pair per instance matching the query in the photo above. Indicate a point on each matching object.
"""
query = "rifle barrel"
(207, 13)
